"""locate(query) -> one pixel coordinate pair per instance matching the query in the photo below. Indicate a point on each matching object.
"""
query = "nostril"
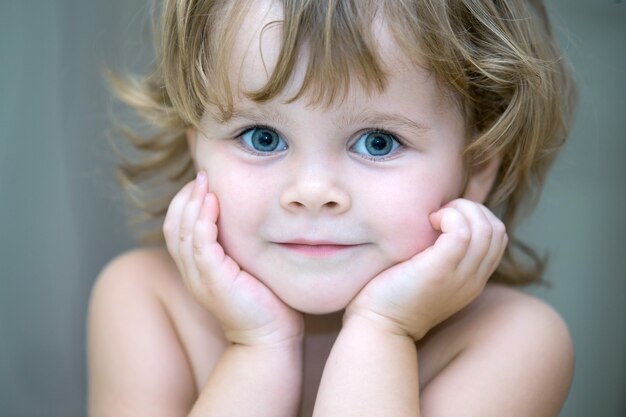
(321, 197)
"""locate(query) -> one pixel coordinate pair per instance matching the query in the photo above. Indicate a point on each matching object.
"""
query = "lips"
(315, 248)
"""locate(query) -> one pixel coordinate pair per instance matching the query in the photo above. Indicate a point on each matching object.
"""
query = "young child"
(337, 253)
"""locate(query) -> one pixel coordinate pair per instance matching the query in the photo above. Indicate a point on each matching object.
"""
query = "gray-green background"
(62, 217)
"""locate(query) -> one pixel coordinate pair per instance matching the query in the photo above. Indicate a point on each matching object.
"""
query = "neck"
(320, 334)
(325, 323)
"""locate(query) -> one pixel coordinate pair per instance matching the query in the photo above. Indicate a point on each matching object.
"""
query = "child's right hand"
(250, 313)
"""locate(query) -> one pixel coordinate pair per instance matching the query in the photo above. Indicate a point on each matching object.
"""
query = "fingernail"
(201, 176)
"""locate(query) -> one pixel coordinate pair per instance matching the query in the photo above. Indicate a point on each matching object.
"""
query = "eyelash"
(383, 131)
(247, 129)
(374, 129)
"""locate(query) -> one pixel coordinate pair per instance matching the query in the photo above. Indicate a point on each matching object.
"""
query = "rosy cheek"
(408, 238)
(408, 230)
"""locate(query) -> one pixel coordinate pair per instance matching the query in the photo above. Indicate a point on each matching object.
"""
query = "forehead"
(257, 45)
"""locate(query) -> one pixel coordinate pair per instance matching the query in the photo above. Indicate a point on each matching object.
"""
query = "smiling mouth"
(317, 250)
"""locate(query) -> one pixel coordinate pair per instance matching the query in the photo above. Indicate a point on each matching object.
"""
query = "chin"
(319, 310)
(318, 305)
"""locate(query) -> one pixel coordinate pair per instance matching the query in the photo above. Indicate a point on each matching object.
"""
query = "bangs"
(339, 42)
(333, 37)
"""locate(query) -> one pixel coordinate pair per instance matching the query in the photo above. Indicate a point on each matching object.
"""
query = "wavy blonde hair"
(498, 57)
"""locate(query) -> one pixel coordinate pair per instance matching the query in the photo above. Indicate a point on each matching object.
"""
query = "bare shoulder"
(502, 308)
(143, 272)
(514, 352)
(513, 318)
(140, 352)
(140, 261)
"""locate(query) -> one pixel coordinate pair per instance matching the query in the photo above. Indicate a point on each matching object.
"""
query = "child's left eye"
(375, 144)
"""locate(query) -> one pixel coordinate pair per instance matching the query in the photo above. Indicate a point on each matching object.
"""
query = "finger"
(208, 253)
(497, 247)
(481, 230)
(188, 220)
(171, 223)
(451, 246)
(205, 249)
(220, 277)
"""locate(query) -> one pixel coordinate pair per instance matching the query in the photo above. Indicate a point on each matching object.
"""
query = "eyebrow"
(260, 114)
(368, 117)
(381, 118)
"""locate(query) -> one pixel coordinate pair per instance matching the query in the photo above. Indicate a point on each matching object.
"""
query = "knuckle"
(185, 235)
(499, 227)
(485, 231)
(464, 236)
(199, 248)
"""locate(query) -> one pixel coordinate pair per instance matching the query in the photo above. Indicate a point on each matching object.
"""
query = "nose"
(315, 189)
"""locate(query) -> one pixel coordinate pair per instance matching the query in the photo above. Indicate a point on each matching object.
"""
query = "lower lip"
(317, 251)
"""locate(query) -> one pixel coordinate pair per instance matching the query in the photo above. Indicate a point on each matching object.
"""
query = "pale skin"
(290, 290)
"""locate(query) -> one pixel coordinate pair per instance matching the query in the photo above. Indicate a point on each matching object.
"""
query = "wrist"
(276, 335)
(373, 322)
(270, 342)
(291, 350)
(287, 354)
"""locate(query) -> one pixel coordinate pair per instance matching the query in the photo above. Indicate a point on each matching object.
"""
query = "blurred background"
(62, 217)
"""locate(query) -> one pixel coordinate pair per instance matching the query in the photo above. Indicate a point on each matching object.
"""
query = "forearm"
(370, 372)
(253, 381)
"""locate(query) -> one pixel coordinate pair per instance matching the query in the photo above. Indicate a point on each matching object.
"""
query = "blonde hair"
(498, 58)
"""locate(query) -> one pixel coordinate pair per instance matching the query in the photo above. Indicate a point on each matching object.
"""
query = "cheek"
(236, 190)
(244, 206)
(241, 207)
(408, 231)
(404, 210)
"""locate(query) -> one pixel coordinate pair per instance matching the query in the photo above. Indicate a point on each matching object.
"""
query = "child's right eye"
(260, 139)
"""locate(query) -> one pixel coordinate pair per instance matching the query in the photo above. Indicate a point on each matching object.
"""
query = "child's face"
(318, 201)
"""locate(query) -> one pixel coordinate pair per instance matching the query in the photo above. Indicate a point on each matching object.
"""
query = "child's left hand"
(412, 297)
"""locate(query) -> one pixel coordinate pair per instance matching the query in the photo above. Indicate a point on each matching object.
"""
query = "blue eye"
(263, 140)
(375, 143)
